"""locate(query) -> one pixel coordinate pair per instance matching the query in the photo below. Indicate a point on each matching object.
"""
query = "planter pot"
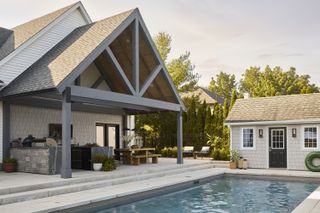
(232, 165)
(245, 164)
(10, 167)
(97, 166)
(240, 164)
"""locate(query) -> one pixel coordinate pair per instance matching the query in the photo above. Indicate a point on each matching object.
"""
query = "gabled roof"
(60, 61)
(6, 42)
(25, 31)
(204, 95)
(277, 108)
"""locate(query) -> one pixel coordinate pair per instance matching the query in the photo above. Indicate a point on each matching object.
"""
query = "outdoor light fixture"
(294, 132)
(260, 133)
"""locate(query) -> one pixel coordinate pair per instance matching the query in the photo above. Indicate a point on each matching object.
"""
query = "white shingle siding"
(259, 157)
(1, 131)
(35, 121)
(10, 69)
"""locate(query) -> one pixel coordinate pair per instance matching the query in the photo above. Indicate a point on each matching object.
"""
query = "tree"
(223, 85)
(180, 69)
(233, 99)
(225, 109)
(272, 82)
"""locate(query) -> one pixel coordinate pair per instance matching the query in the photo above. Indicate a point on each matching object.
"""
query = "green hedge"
(171, 152)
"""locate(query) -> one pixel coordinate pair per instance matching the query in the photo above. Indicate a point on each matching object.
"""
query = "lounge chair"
(188, 151)
(205, 152)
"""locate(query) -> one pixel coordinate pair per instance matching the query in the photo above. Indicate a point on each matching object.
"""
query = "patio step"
(92, 184)
(97, 177)
(220, 164)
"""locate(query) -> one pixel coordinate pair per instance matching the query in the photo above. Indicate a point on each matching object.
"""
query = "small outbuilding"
(276, 132)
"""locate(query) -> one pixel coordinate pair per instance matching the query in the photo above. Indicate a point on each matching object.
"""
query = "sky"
(221, 35)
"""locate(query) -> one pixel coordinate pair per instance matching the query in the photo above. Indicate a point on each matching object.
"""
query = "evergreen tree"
(225, 109)
(233, 99)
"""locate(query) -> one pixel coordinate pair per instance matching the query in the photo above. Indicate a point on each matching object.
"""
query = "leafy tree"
(181, 68)
(223, 85)
(272, 82)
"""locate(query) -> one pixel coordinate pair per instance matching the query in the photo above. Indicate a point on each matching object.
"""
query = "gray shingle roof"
(25, 31)
(204, 95)
(277, 108)
(6, 42)
(61, 60)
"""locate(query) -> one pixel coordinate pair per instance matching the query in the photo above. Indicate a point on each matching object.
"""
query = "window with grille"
(247, 138)
(310, 137)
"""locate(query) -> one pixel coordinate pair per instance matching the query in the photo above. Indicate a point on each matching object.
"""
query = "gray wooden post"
(6, 130)
(66, 171)
(179, 138)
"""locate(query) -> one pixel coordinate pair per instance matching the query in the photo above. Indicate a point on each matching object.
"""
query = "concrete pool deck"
(50, 193)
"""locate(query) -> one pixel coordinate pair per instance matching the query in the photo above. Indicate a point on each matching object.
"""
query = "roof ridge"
(118, 14)
(22, 32)
(280, 96)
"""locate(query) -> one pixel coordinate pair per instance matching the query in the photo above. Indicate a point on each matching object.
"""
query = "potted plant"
(245, 164)
(234, 157)
(127, 139)
(97, 160)
(10, 165)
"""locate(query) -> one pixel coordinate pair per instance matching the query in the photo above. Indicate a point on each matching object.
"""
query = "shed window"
(310, 137)
(247, 138)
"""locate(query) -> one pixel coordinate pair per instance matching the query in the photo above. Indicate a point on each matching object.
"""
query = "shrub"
(10, 160)
(109, 164)
(98, 158)
(170, 152)
(235, 156)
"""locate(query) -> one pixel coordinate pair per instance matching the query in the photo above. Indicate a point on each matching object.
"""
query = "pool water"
(229, 194)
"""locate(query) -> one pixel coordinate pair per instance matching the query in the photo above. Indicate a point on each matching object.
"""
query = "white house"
(276, 132)
(87, 78)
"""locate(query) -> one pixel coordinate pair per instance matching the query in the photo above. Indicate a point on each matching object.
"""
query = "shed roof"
(277, 108)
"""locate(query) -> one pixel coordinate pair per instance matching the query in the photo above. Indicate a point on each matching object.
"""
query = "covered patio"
(109, 68)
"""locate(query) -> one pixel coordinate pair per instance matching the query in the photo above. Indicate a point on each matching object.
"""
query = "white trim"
(230, 138)
(254, 139)
(302, 137)
(284, 122)
(27, 43)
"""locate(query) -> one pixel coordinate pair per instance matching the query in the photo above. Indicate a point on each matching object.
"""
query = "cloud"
(279, 55)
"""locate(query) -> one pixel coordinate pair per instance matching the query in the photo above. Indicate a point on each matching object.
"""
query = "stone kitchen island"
(38, 160)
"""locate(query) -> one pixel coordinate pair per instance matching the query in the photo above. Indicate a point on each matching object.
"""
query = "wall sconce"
(260, 133)
(294, 132)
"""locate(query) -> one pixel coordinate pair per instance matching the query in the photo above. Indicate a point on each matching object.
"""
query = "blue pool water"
(228, 194)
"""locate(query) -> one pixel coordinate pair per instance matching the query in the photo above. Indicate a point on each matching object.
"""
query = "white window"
(310, 139)
(247, 138)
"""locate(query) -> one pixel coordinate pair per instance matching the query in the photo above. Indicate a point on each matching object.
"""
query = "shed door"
(278, 147)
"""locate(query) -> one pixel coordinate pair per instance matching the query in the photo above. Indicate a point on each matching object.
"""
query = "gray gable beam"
(135, 55)
(157, 55)
(120, 71)
(97, 51)
(150, 79)
(89, 93)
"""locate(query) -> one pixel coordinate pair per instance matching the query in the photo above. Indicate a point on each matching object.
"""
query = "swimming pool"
(227, 194)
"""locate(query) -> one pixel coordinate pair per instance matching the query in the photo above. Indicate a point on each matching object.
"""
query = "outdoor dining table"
(127, 154)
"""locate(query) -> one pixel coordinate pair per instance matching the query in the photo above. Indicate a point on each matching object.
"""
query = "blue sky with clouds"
(228, 35)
